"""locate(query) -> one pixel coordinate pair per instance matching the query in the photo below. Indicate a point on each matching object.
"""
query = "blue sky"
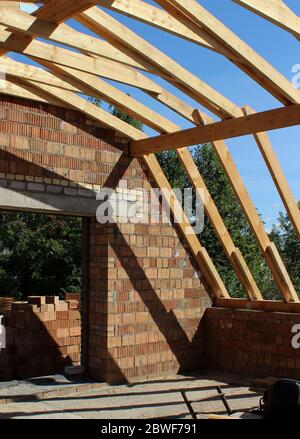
(280, 48)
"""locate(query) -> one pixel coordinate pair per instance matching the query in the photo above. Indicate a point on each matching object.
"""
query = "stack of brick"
(43, 335)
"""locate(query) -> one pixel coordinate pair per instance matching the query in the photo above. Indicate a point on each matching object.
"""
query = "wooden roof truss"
(123, 56)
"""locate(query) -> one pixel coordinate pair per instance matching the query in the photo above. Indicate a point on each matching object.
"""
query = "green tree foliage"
(288, 245)
(39, 254)
(232, 215)
(115, 111)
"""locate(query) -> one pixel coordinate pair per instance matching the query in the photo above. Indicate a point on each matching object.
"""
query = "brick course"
(254, 343)
(145, 297)
(42, 336)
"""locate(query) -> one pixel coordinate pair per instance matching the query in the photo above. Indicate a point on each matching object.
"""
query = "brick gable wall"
(145, 297)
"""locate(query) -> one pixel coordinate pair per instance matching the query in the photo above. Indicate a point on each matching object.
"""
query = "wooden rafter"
(156, 17)
(44, 51)
(61, 10)
(226, 129)
(278, 176)
(275, 11)
(268, 249)
(64, 34)
(233, 253)
(109, 52)
(190, 12)
(12, 87)
(187, 29)
(91, 85)
(200, 254)
(124, 39)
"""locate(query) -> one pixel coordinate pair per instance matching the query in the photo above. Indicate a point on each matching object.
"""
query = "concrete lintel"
(47, 203)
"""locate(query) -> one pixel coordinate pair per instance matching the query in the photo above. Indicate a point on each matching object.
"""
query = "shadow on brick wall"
(102, 365)
(40, 340)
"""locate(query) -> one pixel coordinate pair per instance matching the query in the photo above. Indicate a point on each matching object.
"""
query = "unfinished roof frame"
(121, 55)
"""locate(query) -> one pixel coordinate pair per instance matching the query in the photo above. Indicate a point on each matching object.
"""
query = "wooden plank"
(272, 258)
(240, 126)
(234, 255)
(276, 11)
(91, 85)
(64, 34)
(263, 305)
(156, 17)
(60, 10)
(72, 80)
(12, 87)
(278, 175)
(25, 71)
(89, 109)
(64, 57)
(260, 69)
(122, 37)
(217, 288)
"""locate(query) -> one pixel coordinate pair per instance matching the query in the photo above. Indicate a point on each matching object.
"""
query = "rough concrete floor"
(156, 398)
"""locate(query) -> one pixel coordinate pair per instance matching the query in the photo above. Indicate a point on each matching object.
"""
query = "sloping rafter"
(61, 10)
(64, 34)
(191, 13)
(44, 51)
(124, 39)
(275, 11)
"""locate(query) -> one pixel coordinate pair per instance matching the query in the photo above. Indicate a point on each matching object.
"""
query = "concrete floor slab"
(156, 398)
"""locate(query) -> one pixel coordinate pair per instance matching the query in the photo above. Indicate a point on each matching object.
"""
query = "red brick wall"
(253, 343)
(146, 299)
(40, 339)
(144, 319)
(45, 144)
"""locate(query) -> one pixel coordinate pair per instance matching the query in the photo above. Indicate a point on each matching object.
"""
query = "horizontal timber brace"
(226, 129)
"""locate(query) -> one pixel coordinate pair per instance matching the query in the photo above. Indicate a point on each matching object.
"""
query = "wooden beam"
(240, 126)
(89, 109)
(64, 57)
(268, 249)
(60, 10)
(91, 85)
(276, 11)
(212, 277)
(25, 71)
(108, 51)
(64, 34)
(278, 176)
(263, 305)
(72, 80)
(190, 11)
(161, 19)
(125, 39)
(156, 17)
(12, 87)
(234, 255)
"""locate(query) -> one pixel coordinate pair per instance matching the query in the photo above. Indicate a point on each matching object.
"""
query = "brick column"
(146, 303)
